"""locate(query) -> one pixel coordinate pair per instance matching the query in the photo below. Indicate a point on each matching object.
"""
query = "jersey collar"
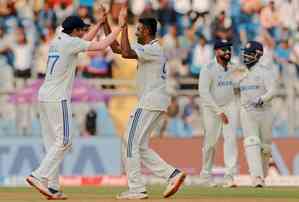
(219, 66)
(153, 41)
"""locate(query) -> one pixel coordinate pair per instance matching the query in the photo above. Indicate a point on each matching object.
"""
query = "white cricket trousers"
(55, 118)
(214, 127)
(259, 124)
(136, 149)
(257, 130)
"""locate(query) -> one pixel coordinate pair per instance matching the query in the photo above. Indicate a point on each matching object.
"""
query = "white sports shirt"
(151, 77)
(257, 82)
(61, 66)
(215, 87)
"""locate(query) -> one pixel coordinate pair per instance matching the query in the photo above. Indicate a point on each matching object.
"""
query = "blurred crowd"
(187, 29)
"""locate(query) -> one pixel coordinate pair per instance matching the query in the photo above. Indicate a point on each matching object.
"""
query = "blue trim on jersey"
(65, 122)
(154, 41)
(132, 132)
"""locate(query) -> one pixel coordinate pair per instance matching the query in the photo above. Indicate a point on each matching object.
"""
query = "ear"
(75, 30)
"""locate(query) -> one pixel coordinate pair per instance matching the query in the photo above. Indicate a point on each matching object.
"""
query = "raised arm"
(103, 44)
(115, 46)
(126, 50)
(89, 36)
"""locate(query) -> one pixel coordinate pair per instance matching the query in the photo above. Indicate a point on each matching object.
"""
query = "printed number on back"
(52, 60)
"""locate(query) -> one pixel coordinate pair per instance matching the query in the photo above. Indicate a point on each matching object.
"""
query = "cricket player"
(257, 88)
(153, 102)
(216, 91)
(55, 96)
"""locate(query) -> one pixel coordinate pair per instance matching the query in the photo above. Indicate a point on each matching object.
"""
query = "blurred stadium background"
(104, 92)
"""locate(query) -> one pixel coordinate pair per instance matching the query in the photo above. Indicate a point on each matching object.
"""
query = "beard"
(225, 57)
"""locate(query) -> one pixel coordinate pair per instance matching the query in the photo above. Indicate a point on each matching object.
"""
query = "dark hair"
(151, 24)
(67, 31)
(201, 36)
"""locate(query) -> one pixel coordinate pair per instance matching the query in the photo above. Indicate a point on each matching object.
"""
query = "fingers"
(224, 118)
(101, 10)
(123, 10)
(102, 13)
(123, 15)
(124, 6)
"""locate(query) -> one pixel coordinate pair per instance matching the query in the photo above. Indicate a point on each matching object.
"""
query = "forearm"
(267, 97)
(204, 87)
(208, 101)
(125, 48)
(270, 85)
(115, 46)
(103, 44)
(125, 43)
(89, 36)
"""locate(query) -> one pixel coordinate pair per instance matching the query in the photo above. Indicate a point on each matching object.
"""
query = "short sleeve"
(147, 52)
(78, 45)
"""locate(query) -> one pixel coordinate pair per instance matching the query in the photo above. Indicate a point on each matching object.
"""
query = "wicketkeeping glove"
(258, 102)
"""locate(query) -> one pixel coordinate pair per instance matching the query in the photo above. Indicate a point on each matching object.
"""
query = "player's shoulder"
(153, 46)
(61, 40)
(207, 69)
(67, 39)
(210, 66)
(264, 68)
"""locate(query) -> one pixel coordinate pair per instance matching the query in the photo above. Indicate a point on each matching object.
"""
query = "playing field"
(186, 194)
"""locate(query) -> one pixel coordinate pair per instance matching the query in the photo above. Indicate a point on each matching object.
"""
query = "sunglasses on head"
(225, 49)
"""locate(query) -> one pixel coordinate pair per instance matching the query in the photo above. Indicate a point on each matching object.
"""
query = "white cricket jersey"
(257, 82)
(215, 87)
(151, 76)
(61, 66)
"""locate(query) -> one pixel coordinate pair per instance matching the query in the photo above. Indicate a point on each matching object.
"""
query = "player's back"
(61, 65)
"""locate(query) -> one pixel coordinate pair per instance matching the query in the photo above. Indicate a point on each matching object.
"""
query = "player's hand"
(102, 13)
(123, 16)
(223, 118)
(257, 102)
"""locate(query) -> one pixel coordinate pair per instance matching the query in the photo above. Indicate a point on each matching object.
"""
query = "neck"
(222, 63)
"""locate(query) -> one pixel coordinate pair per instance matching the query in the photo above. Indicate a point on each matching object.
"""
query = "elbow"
(125, 54)
(116, 50)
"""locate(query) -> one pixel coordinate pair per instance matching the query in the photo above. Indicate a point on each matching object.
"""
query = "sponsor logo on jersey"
(249, 87)
(224, 83)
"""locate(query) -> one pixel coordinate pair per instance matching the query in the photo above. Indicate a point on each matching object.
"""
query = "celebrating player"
(257, 88)
(217, 98)
(153, 102)
(55, 95)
